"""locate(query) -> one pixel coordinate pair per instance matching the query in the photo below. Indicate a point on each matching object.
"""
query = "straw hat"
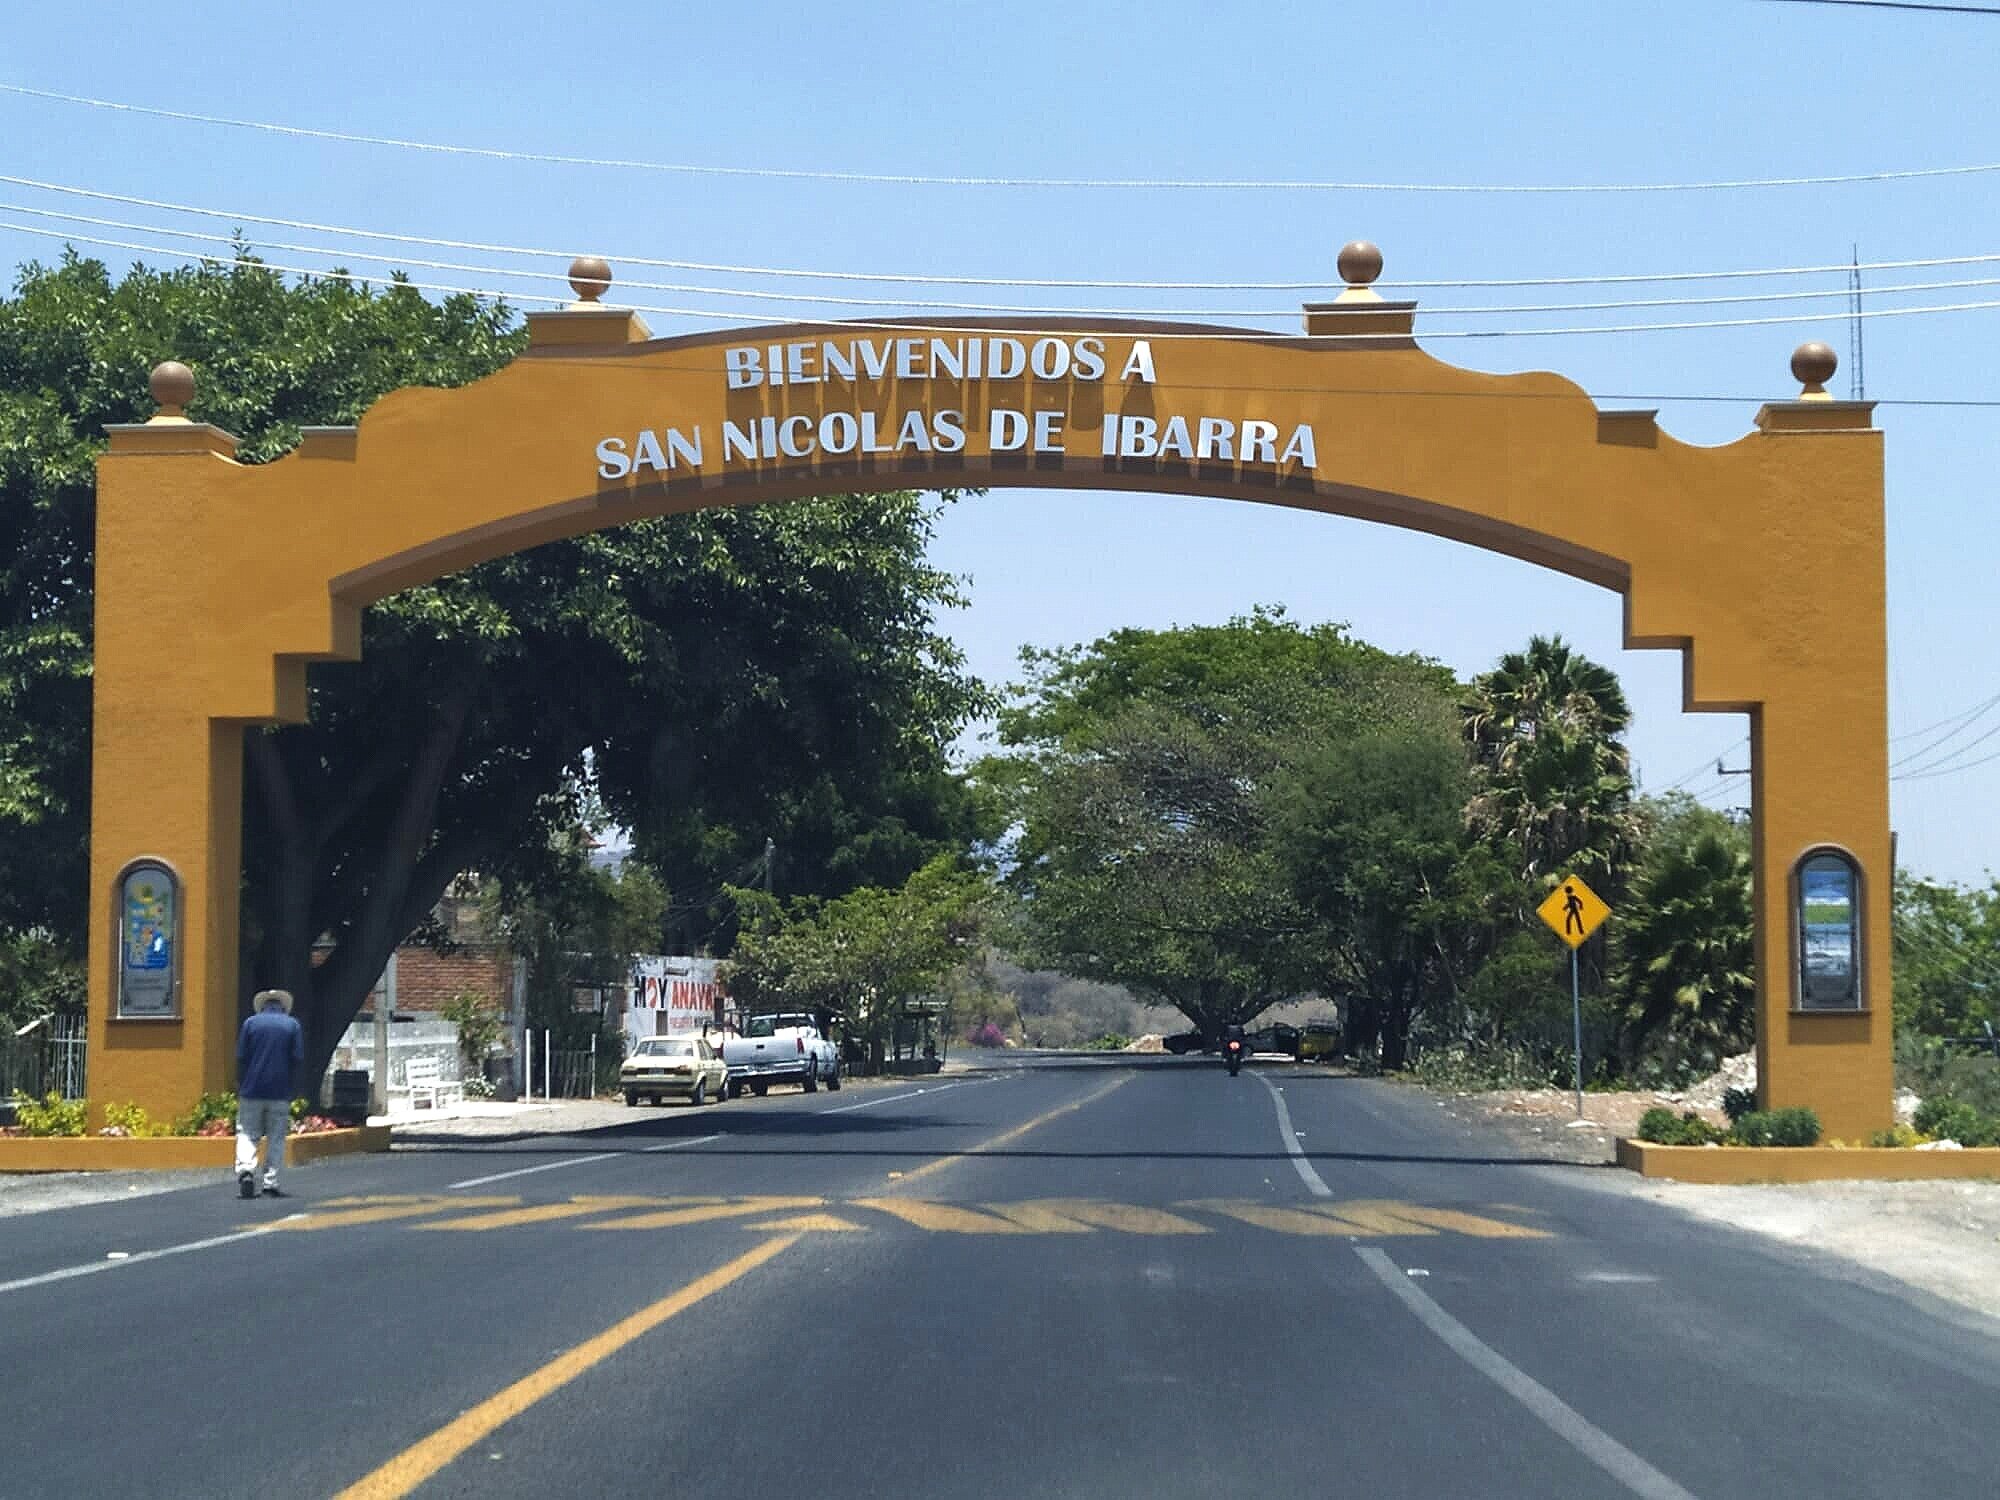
(266, 997)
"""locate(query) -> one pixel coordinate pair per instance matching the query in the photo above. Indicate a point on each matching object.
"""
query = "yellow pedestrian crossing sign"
(1573, 911)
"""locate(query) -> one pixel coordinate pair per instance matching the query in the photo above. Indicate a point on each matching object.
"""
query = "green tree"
(1685, 944)
(75, 353)
(1140, 775)
(861, 955)
(1374, 841)
(1555, 780)
(574, 923)
(1947, 957)
(37, 975)
(737, 675)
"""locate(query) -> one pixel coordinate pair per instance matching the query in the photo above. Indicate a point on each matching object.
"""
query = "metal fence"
(44, 1057)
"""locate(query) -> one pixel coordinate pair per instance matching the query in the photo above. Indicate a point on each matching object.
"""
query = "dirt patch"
(1940, 1237)
(1545, 1121)
(1943, 1237)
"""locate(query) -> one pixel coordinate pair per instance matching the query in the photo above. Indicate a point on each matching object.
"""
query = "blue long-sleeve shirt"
(270, 1045)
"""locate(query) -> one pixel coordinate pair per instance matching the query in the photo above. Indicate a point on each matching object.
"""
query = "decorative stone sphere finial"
(1360, 262)
(172, 385)
(1813, 364)
(589, 277)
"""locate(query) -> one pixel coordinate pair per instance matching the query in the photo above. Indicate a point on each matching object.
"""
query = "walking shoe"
(246, 1187)
(271, 1192)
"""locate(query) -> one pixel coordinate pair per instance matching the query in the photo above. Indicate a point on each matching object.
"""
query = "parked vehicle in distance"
(679, 1067)
(1278, 1037)
(1320, 1040)
(1182, 1042)
(784, 1048)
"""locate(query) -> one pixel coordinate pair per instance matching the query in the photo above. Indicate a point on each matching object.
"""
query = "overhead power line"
(910, 326)
(1964, 713)
(1958, 723)
(926, 179)
(347, 253)
(1956, 10)
(241, 217)
(1950, 761)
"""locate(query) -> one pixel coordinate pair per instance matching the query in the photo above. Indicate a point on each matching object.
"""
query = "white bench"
(424, 1077)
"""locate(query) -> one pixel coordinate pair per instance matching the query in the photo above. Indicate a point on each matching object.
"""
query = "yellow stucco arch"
(217, 583)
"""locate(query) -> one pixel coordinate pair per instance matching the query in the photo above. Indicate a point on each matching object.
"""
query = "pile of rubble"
(1738, 1072)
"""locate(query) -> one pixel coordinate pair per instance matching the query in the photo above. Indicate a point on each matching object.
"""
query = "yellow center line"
(1009, 1135)
(410, 1468)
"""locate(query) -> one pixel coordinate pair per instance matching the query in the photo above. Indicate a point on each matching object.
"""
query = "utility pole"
(385, 1007)
(770, 848)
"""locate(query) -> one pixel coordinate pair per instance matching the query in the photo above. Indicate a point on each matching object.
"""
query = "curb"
(99, 1153)
(1736, 1165)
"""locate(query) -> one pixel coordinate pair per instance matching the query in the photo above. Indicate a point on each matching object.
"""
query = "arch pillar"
(166, 776)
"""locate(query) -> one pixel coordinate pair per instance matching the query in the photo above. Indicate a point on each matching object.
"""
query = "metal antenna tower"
(1858, 385)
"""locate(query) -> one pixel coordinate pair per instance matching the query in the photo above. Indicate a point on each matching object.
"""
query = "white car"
(680, 1067)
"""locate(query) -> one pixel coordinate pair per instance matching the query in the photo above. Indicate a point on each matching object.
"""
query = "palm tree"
(1688, 947)
(1555, 782)
(1546, 686)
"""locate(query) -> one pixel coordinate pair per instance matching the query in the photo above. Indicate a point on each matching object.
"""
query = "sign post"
(1573, 912)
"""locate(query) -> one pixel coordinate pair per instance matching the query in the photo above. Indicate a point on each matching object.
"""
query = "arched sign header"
(1761, 561)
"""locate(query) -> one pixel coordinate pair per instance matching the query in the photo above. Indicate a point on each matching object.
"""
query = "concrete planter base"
(97, 1153)
(1727, 1165)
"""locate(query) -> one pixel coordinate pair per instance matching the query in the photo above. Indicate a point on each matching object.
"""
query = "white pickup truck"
(780, 1049)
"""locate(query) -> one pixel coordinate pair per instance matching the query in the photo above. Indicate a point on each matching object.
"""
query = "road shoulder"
(1938, 1238)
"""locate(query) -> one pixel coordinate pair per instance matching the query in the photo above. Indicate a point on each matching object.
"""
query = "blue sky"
(1444, 91)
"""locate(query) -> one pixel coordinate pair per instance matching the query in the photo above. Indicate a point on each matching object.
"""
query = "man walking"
(268, 1049)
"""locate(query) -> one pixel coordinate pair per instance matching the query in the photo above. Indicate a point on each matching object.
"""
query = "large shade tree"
(1143, 773)
(738, 676)
(1373, 838)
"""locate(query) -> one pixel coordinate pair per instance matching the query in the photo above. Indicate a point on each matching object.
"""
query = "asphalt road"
(1072, 1277)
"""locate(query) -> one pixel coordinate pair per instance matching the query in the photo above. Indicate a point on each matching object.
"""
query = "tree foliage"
(76, 349)
(859, 955)
(1555, 780)
(1686, 943)
(1947, 957)
(1375, 842)
(1143, 776)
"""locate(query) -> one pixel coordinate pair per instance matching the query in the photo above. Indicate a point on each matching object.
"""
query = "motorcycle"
(1232, 1051)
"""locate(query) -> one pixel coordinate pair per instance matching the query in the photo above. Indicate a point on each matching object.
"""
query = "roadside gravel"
(1939, 1237)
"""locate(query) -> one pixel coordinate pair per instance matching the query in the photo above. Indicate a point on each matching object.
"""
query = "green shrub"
(1736, 1103)
(1778, 1127)
(208, 1110)
(51, 1115)
(1111, 1041)
(480, 1028)
(131, 1120)
(1481, 1069)
(1900, 1136)
(1933, 1070)
(1663, 1127)
(1659, 1125)
(1944, 1118)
